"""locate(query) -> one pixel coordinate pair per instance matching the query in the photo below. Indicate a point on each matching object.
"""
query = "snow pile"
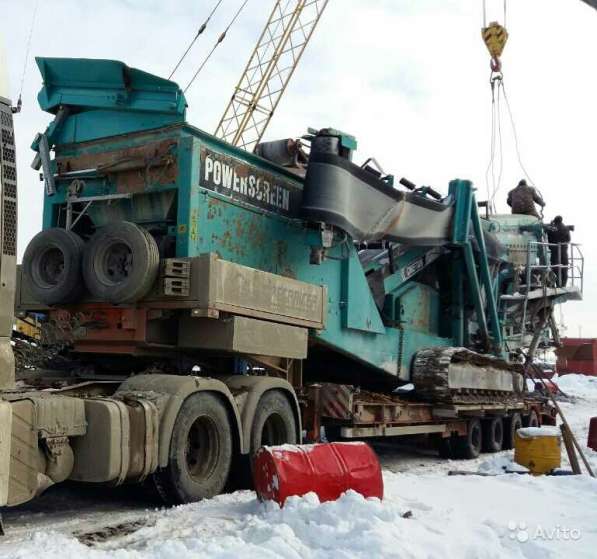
(581, 386)
(502, 463)
(352, 526)
(452, 517)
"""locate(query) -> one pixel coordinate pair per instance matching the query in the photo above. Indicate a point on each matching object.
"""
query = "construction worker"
(523, 198)
(558, 235)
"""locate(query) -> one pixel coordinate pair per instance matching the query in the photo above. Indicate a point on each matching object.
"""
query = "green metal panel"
(359, 311)
(106, 84)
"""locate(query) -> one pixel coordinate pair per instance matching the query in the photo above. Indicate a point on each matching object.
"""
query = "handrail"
(538, 258)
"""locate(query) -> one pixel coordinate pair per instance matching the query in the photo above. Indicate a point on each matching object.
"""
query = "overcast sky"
(409, 78)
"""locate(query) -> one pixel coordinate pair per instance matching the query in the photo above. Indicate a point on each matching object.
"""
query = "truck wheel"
(446, 447)
(469, 446)
(493, 434)
(511, 426)
(531, 420)
(121, 263)
(52, 264)
(200, 452)
(274, 422)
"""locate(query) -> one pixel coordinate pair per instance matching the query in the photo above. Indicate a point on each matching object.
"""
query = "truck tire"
(200, 452)
(446, 448)
(121, 263)
(52, 264)
(469, 446)
(531, 420)
(274, 422)
(493, 434)
(511, 425)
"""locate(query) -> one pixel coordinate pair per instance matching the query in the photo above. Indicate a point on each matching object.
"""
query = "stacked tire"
(118, 265)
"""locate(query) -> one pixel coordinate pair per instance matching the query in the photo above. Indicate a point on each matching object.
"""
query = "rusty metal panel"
(133, 169)
(248, 336)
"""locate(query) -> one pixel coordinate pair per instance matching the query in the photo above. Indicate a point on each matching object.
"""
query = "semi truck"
(194, 301)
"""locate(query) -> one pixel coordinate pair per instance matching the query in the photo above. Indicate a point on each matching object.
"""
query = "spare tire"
(52, 265)
(121, 263)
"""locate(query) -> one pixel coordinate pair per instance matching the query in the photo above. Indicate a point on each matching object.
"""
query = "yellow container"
(538, 448)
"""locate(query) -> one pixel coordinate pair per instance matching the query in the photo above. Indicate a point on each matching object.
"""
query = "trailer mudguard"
(248, 390)
(169, 392)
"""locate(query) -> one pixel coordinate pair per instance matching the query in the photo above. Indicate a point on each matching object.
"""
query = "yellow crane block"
(495, 37)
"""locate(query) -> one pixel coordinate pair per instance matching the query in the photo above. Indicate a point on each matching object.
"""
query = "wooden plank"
(570, 449)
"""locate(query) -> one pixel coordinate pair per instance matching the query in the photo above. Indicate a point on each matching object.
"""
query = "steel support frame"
(476, 273)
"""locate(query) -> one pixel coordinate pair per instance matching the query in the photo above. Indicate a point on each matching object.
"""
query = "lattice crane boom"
(268, 71)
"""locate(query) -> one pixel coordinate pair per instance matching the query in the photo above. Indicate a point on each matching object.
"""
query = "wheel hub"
(51, 265)
(202, 448)
(118, 262)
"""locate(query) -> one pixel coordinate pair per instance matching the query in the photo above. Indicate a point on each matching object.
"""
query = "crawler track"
(431, 376)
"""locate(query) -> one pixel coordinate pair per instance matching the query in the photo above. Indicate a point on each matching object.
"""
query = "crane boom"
(268, 71)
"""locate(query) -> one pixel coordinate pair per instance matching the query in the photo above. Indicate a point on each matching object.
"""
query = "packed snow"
(546, 431)
(494, 511)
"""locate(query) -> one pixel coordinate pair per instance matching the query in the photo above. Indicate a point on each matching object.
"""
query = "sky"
(409, 78)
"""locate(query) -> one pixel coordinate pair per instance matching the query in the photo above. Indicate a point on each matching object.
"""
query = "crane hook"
(495, 37)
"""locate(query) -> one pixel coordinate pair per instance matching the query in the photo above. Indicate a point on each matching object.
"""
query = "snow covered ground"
(491, 516)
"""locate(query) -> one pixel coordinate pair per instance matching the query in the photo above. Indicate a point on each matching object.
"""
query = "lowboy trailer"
(196, 301)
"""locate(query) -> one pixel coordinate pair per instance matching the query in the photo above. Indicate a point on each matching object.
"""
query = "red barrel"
(592, 439)
(326, 469)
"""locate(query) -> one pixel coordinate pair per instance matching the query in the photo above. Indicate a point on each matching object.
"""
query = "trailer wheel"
(52, 263)
(511, 426)
(200, 452)
(274, 422)
(531, 420)
(469, 445)
(121, 263)
(493, 434)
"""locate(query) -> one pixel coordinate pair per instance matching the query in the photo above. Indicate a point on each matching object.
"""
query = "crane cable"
(199, 31)
(496, 117)
(495, 37)
(485, 13)
(495, 42)
(496, 141)
(220, 39)
(17, 109)
(490, 165)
